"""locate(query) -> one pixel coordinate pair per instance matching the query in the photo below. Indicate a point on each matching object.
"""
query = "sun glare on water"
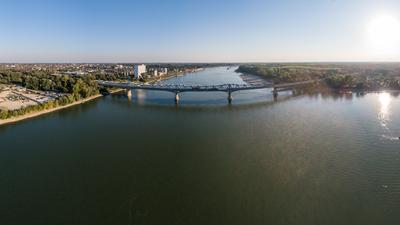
(383, 36)
(384, 99)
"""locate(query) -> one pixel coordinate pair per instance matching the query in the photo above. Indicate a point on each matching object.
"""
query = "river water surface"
(308, 159)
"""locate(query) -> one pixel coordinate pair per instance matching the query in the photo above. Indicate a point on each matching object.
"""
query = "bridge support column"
(230, 94)
(230, 97)
(176, 97)
(275, 93)
(129, 93)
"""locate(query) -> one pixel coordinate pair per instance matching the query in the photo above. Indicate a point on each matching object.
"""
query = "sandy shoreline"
(35, 114)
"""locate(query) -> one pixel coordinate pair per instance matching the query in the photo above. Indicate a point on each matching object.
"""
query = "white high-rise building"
(139, 70)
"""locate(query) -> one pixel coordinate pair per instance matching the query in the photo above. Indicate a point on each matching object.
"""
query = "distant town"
(31, 88)
(133, 71)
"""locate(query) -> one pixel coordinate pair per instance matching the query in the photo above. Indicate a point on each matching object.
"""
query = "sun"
(383, 36)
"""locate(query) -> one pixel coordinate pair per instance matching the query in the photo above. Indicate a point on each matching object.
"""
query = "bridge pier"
(230, 97)
(275, 93)
(230, 94)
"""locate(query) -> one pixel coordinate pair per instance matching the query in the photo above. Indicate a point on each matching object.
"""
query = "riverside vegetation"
(354, 76)
(74, 88)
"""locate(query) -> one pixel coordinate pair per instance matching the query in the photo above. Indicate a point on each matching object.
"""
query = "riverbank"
(39, 113)
(254, 79)
(173, 75)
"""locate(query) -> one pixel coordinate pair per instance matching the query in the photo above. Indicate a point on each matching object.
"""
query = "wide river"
(308, 159)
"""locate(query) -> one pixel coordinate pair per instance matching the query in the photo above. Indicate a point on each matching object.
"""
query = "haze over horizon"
(124, 31)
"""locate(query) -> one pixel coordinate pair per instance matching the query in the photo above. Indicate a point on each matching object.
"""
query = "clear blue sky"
(189, 31)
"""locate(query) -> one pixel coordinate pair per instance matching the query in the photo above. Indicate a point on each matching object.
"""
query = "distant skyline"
(123, 31)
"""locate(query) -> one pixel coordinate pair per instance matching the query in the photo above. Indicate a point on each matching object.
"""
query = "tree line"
(74, 88)
(360, 77)
(62, 101)
(286, 74)
(357, 82)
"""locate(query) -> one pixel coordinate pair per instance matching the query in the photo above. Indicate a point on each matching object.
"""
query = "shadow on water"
(205, 105)
(215, 103)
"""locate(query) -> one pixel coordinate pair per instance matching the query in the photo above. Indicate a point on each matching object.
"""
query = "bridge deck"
(199, 88)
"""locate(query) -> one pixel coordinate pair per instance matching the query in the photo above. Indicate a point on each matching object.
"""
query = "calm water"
(317, 159)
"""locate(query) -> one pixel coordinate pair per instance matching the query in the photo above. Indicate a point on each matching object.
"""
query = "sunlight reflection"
(140, 96)
(384, 112)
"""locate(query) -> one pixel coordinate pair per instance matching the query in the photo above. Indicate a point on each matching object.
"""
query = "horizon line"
(188, 62)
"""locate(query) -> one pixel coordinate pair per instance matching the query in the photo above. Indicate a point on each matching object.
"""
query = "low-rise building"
(163, 71)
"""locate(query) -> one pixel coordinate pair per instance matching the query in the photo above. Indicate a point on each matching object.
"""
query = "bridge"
(179, 88)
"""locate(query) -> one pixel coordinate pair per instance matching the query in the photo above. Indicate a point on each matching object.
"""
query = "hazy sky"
(196, 31)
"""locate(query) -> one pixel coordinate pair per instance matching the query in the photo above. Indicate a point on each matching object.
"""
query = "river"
(307, 159)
